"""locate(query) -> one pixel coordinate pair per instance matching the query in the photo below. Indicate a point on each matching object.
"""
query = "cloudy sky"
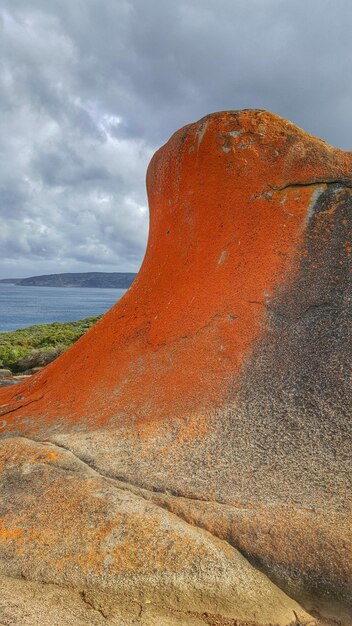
(90, 88)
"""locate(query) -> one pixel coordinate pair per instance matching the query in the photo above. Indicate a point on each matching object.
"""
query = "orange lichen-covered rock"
(219, 385)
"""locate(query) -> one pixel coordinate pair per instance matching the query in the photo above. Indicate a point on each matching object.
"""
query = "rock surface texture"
(187, 461)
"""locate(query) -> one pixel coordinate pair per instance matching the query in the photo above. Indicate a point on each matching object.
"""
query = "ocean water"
(25, 306)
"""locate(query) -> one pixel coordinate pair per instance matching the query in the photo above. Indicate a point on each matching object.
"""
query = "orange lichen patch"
(45, 457)
(227, 218)
(20, 451)
(52, 532)
(8, 533)
(83, 526)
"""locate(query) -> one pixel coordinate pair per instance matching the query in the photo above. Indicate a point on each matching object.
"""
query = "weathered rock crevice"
(344, 182)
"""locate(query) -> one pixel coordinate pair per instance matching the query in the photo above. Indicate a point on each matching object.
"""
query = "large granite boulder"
(206, 417)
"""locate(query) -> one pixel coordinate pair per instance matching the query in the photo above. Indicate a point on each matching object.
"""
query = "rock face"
(208, 411)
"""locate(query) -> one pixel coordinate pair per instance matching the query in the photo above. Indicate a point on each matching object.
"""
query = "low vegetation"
(36, 346)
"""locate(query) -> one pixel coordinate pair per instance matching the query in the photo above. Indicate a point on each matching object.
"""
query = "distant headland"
(106, 280)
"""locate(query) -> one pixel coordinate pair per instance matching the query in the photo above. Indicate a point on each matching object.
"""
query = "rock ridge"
(217, 392)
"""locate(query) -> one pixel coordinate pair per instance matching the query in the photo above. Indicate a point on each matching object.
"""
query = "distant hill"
(106, 280)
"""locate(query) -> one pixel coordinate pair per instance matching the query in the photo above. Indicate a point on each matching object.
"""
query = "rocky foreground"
(187, 461)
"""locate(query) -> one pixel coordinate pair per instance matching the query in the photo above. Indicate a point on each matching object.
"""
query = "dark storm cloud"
(89, 89)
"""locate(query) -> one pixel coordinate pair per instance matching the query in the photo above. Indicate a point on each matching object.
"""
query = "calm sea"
(25, 306)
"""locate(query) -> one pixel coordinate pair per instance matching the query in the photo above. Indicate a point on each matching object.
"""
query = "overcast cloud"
(90, 88)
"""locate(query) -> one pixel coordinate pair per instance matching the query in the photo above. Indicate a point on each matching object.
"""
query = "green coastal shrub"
(36, 346)
(9, 356)
(40, 358)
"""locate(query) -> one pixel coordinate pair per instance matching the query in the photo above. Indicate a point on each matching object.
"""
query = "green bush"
(9, 355)
(36, 346)
(40, 358)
